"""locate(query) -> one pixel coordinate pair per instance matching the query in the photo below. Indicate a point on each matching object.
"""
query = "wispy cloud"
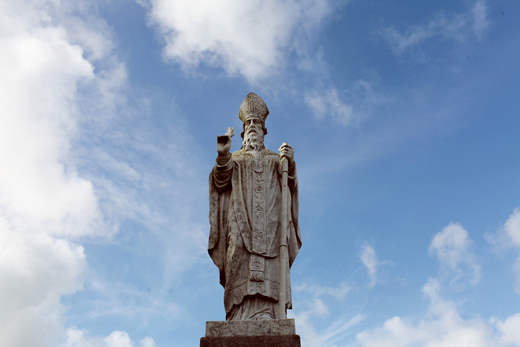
(459, 28)
(369, 258)
(316, 306)
(163, 193)
(329, 104)
(452, 247)
(346, 107)
(339, 293)
(479, 14)
(329, 336)
(114, 298)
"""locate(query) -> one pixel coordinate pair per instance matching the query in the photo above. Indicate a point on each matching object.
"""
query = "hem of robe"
(236, 295)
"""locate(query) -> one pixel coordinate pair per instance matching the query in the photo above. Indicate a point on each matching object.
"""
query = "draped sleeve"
(219, 199)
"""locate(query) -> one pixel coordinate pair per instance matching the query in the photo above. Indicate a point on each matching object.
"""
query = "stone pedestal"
(262, 333)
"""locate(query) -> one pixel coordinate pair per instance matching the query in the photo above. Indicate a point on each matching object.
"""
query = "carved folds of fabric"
(245, 193)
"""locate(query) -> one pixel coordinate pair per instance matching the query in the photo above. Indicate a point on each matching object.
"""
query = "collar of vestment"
(253, 153)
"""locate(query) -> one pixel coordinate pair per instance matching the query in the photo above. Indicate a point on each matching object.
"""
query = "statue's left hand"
(286, 151)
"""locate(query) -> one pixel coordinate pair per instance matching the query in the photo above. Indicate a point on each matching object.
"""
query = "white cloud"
(452, 247)
(443, 326)
(506, 238)
(40, 71)
(250, 38)
(512, 227)
(446, 329)
(509, 331)
(512, 230)
(45, 204)
(35, 271)
(79, 338)
(459, 28)
(368, 257)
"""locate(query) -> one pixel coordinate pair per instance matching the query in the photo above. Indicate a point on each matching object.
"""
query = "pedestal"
(261, 333)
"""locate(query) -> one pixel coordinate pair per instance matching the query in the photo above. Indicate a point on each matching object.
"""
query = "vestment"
(245, 216)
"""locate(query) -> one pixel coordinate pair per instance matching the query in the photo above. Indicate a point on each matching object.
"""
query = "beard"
(253, 142)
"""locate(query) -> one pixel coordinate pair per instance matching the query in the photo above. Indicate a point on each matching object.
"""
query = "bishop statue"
(254, 236)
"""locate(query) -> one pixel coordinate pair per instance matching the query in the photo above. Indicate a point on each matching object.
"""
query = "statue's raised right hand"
(224, 142)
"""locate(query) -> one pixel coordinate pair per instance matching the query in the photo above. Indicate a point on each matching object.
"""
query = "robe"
(245, 196)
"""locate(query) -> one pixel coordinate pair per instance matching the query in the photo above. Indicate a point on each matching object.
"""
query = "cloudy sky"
(404, 116)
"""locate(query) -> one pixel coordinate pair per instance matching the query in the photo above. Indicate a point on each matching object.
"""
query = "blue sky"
(404, 117)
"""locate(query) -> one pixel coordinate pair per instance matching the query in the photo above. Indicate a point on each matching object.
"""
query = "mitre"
(253, 106)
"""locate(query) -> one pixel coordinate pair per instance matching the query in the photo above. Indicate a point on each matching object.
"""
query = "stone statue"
(250, 222)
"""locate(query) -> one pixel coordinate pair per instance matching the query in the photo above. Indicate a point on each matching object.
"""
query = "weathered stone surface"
(274, 327)
(251, 341)
(254, 236)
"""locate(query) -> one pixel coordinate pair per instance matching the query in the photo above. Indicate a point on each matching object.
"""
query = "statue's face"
(253, 129)
(253, 134)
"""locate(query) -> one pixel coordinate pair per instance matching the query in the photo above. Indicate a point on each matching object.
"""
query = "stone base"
(251, 341)
(263, 333)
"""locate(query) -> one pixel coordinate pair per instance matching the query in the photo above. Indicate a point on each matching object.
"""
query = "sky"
(404, 117)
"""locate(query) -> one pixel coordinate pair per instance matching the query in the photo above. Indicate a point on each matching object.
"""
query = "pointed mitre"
(253, 106)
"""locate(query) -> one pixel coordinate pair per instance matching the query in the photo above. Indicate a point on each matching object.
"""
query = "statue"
(254, 236)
